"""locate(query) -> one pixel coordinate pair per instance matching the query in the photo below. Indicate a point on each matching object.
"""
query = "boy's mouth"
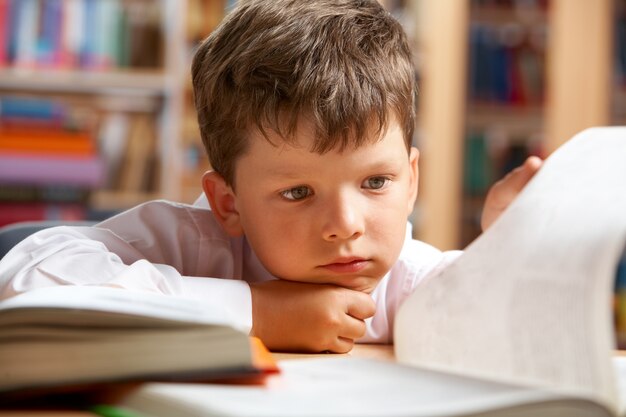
(346, 265)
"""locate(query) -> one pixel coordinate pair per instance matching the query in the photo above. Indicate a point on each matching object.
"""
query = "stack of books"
(48, 162)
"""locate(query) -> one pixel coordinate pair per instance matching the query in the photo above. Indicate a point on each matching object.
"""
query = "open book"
(73, 336)
(520, 324)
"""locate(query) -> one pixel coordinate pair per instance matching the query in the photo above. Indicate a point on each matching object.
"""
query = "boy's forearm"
(73, 256)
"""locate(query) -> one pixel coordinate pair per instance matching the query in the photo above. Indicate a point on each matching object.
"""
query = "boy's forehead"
(289, 154)
(305, 135)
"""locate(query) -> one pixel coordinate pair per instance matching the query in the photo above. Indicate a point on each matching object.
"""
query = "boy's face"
(337, 218)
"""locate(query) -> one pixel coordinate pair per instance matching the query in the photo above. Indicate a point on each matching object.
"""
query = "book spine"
(4, 32)
(20, 212)
(47, 142)
(504, 66)
(72, 30)
(88, 44)
(46, 34)
(50, 194)
(31, 108)
(82, 34)
(620, 48)
(619, 307)
(21, 168)
(26, 34)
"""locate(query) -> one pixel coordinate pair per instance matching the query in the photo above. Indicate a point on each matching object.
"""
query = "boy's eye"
(297, 193)
(375, 183)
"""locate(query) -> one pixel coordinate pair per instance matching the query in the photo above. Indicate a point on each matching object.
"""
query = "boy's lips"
(346, 265)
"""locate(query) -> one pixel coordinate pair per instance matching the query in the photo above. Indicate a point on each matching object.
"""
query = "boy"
(306, 109)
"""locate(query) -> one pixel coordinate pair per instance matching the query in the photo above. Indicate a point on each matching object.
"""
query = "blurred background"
(96, 113)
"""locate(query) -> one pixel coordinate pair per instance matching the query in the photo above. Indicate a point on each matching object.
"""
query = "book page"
(619, 363)
(354, 387)
(103, 299)
(530, 300)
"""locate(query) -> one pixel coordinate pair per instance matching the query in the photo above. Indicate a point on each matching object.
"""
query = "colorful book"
(14, 212)
(26, 33)
(22, 168)
(5, 30)
(48, 193)
(44, 142)
(31, 108)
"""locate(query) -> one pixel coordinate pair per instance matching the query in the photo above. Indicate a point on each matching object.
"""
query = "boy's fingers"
(360, 305)
(505, 190)
(342, 345)
(353, 328)
(533, 162)
(522, 174)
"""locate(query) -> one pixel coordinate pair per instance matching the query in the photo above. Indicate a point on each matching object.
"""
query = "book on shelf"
(520, 324)
(51, 194)
(74, 337)
(25, 138)
(31, 110)
(4, 32)
(22, 211)
(620, 44)
(506, 63)
(33, 168)
(86, 34)
(619, 304)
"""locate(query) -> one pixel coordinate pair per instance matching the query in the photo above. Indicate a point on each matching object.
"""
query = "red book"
(11, 212)
(4, 32)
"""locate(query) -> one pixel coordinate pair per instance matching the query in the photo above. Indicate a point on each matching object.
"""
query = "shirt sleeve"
(112, 257)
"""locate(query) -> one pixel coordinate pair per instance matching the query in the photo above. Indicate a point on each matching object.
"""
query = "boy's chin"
(362, 284)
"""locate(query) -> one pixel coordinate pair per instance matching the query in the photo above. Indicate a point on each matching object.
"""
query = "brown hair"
(345, 64)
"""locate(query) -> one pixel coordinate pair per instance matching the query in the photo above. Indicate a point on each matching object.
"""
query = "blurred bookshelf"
(619, 67)
(500, 80)
(91, 106)
(505, 97)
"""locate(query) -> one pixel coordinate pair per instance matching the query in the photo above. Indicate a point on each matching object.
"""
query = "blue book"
(31, 108)
(90, 32)
(48, 43)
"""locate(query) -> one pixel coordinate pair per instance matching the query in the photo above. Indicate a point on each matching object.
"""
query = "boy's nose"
(343, 220)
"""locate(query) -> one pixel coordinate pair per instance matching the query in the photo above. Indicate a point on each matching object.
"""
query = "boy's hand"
(503, 192)
(296, 316)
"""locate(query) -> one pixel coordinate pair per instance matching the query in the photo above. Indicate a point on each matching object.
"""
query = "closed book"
(39, 141)
(5, 29)
(46, 141)
(30, 168)
(69, 336)
(14, 212)
(31, 108)
(50, 193)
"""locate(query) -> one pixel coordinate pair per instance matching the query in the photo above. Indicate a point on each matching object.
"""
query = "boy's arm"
(296, 316)
(503, 192)
(90, 256)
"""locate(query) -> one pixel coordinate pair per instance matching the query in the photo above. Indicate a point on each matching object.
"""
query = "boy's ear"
(222, 200)
(414, 180)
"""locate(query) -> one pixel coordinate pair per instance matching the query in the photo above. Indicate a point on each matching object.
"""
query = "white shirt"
(180, 249)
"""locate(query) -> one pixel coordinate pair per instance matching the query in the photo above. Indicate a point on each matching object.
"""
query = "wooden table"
(382, 352)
